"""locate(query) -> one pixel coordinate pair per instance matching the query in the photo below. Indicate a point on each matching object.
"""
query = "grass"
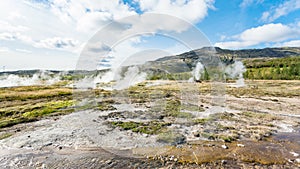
(33, 93)
(201, 121)
(8, 122)
(259, 88)
(28, 113)
(264, 116)
(48, 108)
(30, 103)
(5, 135)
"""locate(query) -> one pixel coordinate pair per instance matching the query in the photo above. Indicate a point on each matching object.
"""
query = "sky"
(57, 34)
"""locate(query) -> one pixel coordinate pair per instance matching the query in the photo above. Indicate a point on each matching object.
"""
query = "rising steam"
(132, 77)
(197, 72)
(236, 71)
(39, 78)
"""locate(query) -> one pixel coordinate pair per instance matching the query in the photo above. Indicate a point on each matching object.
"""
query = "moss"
(5, 135)
(13, 121)
(105, 107)
(183, 115)
(201, 121)
(210, 136)
(48, 108)
(228, 138)
(172, 107)
(152, 127)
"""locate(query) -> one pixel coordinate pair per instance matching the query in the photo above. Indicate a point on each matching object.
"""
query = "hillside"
(243, 53)
(280, 58)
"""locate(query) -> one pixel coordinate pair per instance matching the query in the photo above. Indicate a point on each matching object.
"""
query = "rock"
(196, 134)
(297, 160)
(179, 146)
(223, 162)
(294, 154)
(108, 162)
(47, 144)
(240, 145)
(224, 146)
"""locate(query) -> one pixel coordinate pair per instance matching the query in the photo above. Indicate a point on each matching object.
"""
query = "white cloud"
(15, 15)
(246, 3)
(282, 10)
(293, 43)
(24, 50)
(90, 15)
(191, 10)
(269, 33)
(93, 21)
(15, 37)
(4, 49)
(57, 43)
(46, 24)
(7, 27)
(7, 36)
(265, 16)
(234, 44)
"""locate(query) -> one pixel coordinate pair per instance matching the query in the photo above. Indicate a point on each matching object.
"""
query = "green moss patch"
(153, 127)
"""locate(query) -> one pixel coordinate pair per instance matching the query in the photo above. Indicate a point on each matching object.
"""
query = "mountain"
(186, 61)
(255, 53)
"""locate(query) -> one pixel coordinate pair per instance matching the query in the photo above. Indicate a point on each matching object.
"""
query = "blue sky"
(54, 34)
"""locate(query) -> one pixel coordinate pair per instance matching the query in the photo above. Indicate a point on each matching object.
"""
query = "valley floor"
(159, 124)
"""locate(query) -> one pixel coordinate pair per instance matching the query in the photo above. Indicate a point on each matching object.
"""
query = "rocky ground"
(166, 125)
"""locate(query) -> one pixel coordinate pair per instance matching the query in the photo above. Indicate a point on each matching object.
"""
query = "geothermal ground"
(155, 124)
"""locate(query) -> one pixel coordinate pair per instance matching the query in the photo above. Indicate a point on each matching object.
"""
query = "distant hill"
(244, 53)
(186, 61)
(256, 53)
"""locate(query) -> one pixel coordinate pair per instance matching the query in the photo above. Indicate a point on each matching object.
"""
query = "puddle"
(293, 137)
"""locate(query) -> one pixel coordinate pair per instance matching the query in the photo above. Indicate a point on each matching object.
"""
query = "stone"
(224, 146)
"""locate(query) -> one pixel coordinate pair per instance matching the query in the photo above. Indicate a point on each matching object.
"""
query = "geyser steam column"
(197, 72)
(112, 35)
(236, 71)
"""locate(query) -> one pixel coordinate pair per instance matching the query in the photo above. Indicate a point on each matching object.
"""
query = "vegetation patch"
(5, 135)
(273, 69)
(105, 105)
(152, 127)
(48, 108)
(30, 103)
(201, 121)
